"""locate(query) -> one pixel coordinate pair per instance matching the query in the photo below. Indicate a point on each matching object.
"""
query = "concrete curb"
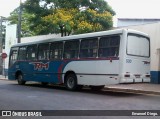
(2, 77)
(136, 91)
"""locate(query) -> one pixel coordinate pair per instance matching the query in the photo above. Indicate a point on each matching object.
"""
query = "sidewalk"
(3, 77)
(138, 88)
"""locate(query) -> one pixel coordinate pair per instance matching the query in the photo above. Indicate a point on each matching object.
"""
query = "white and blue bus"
(94, 59)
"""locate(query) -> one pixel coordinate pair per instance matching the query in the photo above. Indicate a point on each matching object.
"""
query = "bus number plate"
(128, 61)
(137, 76)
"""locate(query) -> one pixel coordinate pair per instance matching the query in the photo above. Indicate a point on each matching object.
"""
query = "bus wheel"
(71, 82)
(20, 79)
(97, 88)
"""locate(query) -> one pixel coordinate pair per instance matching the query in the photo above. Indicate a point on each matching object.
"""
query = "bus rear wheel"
(71, 82)
(20, 79)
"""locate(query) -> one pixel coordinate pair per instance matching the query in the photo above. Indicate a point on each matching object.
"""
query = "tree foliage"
(26, 17)
(71, 20)
(66, 16)
(63, 20)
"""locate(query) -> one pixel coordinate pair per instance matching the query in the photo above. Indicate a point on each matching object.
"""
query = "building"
(122, 22)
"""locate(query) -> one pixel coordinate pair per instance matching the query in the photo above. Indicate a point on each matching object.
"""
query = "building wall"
(122, 22)
(10, 39)
(39, 38)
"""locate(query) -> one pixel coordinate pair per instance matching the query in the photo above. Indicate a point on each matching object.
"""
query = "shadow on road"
(85, 89)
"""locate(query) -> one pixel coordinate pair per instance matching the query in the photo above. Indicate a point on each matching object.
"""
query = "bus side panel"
(41, 71)
(101, 72)
(22, 67)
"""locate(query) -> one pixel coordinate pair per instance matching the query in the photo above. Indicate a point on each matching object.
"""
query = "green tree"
(62, 20)
(66, 16)
(26, 17)
(40, 8)
(72, 20)
(91, 20)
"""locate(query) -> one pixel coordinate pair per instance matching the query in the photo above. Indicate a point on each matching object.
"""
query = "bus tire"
(71, 82)
(97, 88)
(20, 79)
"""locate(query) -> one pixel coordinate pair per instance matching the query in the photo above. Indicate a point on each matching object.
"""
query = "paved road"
(33, 96)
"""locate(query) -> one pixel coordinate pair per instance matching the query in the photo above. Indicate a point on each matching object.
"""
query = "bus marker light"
(110, 59)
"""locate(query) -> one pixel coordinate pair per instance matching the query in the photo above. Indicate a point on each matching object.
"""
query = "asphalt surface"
(33, 96)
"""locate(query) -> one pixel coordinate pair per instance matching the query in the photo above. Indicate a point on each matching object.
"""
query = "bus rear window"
(138, 45)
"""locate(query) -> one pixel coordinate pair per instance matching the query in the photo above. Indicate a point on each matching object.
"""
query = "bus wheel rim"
(70, 82)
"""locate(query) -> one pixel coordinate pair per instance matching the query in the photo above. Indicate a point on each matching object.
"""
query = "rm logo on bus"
(40, 65)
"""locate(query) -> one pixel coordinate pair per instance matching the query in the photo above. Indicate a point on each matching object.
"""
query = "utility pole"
(1, 32)
(1, 36)
(19, 22)
(1, 43)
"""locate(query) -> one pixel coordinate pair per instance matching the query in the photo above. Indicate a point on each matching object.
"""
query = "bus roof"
(81, 36)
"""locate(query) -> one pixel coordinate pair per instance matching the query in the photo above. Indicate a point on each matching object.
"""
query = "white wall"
(130, 22)
(10, 39)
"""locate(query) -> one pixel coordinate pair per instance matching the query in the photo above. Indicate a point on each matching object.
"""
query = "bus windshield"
(138, 45)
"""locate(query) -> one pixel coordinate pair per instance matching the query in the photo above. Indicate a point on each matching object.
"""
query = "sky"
(136, 8)
(7, 6)
(123, 8)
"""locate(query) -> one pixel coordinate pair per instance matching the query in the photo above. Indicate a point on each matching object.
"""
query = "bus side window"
(89, 48)
(56, 50)
(32, 52)
(71, 49)
(22, 53)
(109, 46)
(13, 56)
(43, 51)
